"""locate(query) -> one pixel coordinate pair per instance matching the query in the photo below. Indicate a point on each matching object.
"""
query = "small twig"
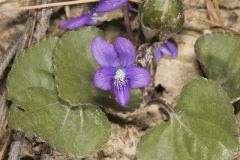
(67, 12)
(16, 47)
(56, 4)
(3, 114)
(4, 147)
(43, 16)
(163, 105)
(217, 25)
(16, 146)
(6, 59)
(214, 11)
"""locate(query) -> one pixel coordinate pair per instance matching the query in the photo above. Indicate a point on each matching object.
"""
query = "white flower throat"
(119, 80)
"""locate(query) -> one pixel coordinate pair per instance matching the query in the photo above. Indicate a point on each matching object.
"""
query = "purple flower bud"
(117, 70)
(131, 8)
(92, 17)
(167, 48)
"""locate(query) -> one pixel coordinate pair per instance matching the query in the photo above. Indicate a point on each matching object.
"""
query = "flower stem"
(127, 22)
(163, 105)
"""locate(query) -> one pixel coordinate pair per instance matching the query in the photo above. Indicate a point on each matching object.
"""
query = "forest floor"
(201, 16)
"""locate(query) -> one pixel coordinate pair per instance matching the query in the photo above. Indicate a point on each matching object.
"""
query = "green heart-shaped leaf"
(219, 55)
(75, 67)
(33, 68)
(203, 127)
(74, 130)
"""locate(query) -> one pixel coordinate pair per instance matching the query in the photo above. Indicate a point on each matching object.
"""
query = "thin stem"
(153, 70)
(67, 12)
(163, 105)
(57, 4)
(127, 22)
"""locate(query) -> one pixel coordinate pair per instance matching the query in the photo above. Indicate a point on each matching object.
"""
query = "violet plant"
(118, 71)
(58, 81)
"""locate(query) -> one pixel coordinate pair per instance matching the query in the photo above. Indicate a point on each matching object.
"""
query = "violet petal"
(173, 49)
(164, 49)
(158, 54)
(76, 22)
(103, 78)
(167, 48)
(132, 9)
(122, 95)
(109, 5)
(125, 50)
(138, 77)
(104, 53)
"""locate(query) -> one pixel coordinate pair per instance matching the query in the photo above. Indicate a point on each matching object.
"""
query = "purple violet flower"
(167, 48)
(92, 18)
(117, 71)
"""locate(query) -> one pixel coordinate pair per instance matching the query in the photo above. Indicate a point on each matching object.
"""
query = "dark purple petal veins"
(126, 51)
(138, 77)
(104, 53)
(109, 5)
(122, 95)
(103, 78)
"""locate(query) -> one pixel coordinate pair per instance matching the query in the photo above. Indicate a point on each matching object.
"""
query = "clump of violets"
(168, 48)
(118, 72)
(92, 18)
